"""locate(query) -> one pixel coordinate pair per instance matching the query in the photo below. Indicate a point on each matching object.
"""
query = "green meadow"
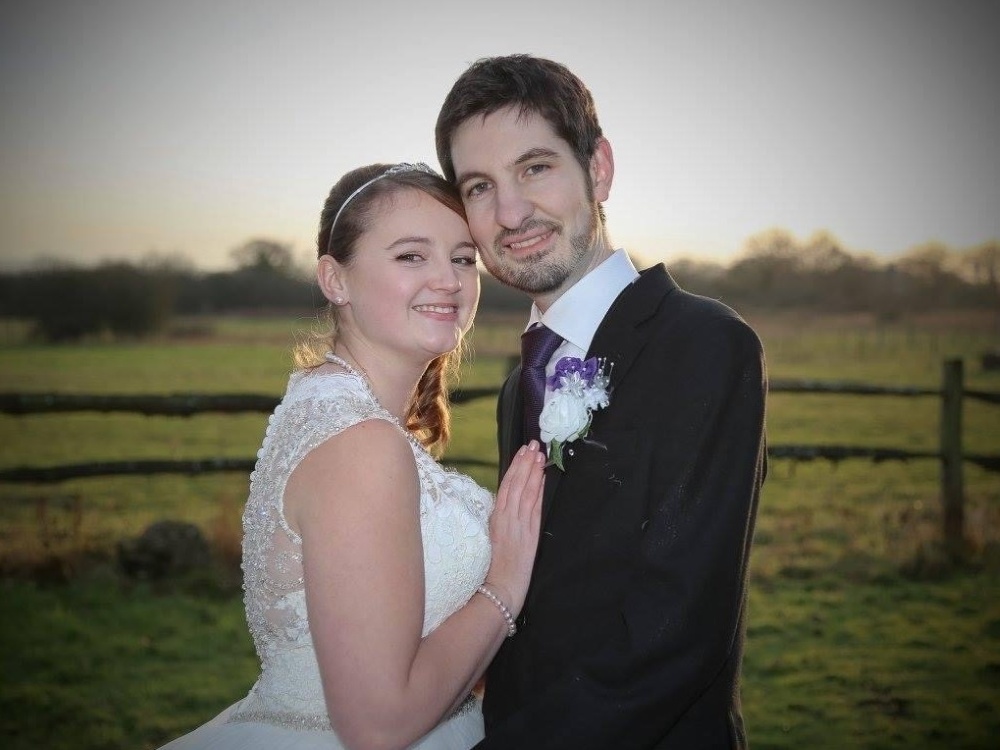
(862, 632)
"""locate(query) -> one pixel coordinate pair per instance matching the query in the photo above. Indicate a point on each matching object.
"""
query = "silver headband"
(394, 169)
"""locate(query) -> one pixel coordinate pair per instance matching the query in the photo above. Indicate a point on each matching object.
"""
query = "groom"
(632, 632)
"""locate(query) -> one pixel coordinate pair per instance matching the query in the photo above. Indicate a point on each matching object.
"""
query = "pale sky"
(133, 127)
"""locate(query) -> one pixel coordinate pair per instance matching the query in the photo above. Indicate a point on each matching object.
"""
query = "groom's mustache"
(528, 226)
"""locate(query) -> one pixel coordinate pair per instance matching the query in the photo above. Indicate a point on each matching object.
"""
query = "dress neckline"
(366, 384)
(331, 357)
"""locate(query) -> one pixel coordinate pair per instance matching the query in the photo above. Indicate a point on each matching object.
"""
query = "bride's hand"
(515, 526)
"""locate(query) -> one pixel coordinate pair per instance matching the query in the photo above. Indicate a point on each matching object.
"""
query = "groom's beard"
(542, 273)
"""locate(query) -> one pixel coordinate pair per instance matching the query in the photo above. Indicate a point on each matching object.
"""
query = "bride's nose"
(446, 277)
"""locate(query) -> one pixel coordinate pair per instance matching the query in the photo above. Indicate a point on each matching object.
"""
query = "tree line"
(775, 271)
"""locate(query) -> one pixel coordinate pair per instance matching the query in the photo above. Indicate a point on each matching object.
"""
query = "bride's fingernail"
(522, 450)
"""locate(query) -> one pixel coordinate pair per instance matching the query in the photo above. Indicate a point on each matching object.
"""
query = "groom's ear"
(330, 276)
(602, 169)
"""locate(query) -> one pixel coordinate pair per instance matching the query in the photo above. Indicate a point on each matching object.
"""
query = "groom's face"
(532, 208)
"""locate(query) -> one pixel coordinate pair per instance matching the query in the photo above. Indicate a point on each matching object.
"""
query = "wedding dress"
(285, 709)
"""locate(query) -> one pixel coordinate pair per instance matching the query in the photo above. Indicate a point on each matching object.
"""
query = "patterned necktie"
(538, 344)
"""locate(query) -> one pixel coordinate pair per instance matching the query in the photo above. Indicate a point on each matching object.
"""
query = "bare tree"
(261, 254)
(981, 266)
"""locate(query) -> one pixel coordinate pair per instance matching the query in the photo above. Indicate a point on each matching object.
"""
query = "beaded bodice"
(454, 513)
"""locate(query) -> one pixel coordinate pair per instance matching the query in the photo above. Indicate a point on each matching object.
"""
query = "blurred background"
(828, 169)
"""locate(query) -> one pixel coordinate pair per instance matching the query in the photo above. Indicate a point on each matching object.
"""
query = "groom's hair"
(533, 85)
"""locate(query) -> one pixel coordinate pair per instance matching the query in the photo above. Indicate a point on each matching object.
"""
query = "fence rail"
(192, 466)
(190, 404)
(170, 405)
(951, 455)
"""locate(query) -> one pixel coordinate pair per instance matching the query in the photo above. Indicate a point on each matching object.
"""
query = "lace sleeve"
(316, 408)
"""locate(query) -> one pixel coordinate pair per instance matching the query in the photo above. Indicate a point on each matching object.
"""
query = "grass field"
(860, 635)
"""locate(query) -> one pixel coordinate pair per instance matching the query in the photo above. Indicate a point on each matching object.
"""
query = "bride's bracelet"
(507, 616)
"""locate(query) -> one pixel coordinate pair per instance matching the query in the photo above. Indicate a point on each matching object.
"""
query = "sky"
(139, 128)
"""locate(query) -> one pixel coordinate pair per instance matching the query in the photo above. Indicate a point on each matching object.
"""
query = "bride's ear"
(329, 274)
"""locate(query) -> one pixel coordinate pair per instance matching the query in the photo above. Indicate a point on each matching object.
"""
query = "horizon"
(305, 265)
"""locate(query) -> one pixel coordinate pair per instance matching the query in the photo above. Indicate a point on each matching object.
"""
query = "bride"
(378, 585)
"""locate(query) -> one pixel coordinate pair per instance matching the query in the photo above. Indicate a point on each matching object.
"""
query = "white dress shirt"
(576, 315)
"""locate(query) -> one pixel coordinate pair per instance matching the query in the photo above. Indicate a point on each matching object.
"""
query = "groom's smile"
(534, 240)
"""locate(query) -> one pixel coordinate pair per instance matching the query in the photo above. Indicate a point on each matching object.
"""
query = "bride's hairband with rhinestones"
(394, 169)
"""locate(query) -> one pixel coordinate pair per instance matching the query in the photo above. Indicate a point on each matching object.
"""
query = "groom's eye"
(477, 188)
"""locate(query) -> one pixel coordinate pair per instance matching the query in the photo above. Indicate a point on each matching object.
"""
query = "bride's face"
(413, 285)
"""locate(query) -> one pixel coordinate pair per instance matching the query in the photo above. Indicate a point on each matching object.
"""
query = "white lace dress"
(286, 708)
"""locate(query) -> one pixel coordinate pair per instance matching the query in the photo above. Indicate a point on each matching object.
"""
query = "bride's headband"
(393, 170)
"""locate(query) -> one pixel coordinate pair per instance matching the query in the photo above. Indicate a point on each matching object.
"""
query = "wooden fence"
(950, 454)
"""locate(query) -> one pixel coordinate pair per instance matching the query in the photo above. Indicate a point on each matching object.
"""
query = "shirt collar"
(576, 315)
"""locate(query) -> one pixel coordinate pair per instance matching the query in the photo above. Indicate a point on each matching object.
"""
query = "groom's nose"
(512, 207)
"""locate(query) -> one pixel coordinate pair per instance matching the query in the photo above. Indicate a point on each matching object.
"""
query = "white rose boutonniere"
(579, 388)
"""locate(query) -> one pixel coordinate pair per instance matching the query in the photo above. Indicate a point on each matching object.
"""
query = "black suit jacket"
(632, 632)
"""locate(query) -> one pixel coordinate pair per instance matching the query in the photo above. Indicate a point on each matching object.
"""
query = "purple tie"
(538, 344)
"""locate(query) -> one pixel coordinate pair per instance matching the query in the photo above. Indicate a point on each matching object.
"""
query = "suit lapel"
(621, 337)
(509, 421)
(618, 340)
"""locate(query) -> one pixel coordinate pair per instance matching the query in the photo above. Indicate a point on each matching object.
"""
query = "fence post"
(952, 490)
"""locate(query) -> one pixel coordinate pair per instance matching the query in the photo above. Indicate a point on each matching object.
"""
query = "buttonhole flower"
(579, 388)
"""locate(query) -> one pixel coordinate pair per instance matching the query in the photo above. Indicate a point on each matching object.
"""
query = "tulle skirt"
(459, 732)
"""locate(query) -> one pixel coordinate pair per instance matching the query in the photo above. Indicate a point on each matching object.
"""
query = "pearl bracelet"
(507, 616)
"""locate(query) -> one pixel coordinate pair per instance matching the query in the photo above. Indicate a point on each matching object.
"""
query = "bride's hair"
(348, 211)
